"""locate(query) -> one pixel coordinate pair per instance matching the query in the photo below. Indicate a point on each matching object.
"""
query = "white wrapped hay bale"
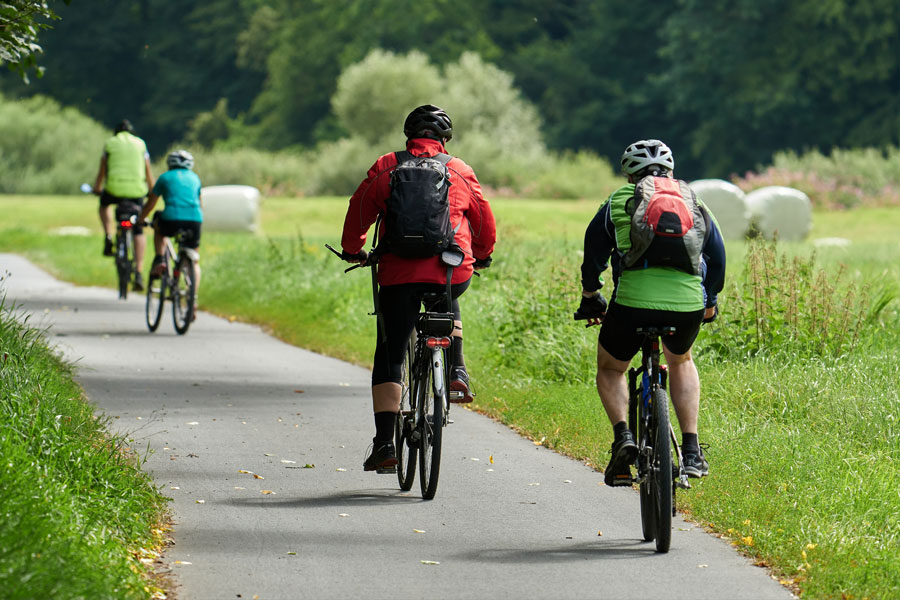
(780, 210)
(230, 208)
(727, 203)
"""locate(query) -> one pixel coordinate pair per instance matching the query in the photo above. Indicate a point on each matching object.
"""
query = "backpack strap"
(402, 156)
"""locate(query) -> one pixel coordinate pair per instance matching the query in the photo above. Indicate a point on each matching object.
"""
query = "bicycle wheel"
(184, 289)
(663, 492)
(123, 262)
(406, 448)
(431, 415)
(156, 297)
(640, 429)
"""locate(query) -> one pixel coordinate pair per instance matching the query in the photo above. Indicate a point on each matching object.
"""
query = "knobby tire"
(663, 496)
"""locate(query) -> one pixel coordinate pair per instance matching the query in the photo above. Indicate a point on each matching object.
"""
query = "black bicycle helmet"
(124, 125)
(428, 117)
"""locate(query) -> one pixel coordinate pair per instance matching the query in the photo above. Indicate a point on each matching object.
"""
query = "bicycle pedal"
(386, 470)
(456, 395)
(622, 480)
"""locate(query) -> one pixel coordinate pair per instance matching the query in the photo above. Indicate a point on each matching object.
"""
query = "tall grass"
(77, 511)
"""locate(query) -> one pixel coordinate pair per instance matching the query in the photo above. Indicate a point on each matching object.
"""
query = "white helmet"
(646, 153)
(180, 159)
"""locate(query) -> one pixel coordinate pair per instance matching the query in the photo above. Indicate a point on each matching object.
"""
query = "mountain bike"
(176, 284)
(425, 377)
(660, 469)
(126, 216)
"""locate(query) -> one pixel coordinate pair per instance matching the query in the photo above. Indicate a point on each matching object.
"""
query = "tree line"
(725, 82)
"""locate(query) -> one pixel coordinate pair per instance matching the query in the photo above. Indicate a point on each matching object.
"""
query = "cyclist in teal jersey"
(179, 187)
(647, 296)
(125, 170)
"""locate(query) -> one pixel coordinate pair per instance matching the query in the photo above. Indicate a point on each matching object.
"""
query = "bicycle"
(425, 376)
(659, 464)
(126, 219)
(176, 284)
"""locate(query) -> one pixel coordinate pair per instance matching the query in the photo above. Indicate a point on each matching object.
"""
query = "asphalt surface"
(227, 403)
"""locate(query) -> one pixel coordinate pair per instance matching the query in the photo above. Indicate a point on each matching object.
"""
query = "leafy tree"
(20, 22)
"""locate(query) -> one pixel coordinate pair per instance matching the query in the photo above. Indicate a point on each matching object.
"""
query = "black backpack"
(417, 215)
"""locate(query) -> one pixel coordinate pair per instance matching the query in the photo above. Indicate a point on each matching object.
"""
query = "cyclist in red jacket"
(403, 281)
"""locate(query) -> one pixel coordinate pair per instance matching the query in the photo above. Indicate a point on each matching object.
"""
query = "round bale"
(230, 208)
(727, 203)
(781, 212)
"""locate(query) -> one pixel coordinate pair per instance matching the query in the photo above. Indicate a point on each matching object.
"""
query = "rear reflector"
(443, 342)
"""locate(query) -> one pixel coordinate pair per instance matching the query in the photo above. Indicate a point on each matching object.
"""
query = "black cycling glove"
(358, 257)
(483, 263)
(591, 308)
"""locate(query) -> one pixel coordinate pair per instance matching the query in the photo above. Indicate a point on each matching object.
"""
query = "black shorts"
(191, 230)
(125, 209)
(618, 337)
(399, 306)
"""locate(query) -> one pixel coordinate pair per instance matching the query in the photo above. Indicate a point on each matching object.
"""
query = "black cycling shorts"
(125, 209)
(399, 306)
(618, 337)
(170, 228)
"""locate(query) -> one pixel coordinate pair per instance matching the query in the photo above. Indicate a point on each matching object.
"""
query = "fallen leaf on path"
(491, 459)
(429, 562)
(192, 423)
(237, 487)
(702, 566)
(298, 392)
(343, 515)
(292, 554)
(289, 462)
(535, 483)
(174, 487)
(540, 441)
(489, 470)
(267, 454)
(309, 466)
(342, 384)
(255, 476)
(567, 481)
(340, 469)
(245, 472)
(473, 458)
(182, 562)
(266, 492)
(600, 533)
(418, 531)
(201, 501)
(232, 319)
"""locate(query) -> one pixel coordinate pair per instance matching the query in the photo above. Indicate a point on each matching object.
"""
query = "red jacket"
(476, 236)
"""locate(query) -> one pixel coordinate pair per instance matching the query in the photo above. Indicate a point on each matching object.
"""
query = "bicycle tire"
(639, 428)
(156, 298)
(431, 413)
(406, 453)
(124, 267)
(183, 291)
(663, 495)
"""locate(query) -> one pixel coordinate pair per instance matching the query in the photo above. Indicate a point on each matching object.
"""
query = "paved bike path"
(228, 398)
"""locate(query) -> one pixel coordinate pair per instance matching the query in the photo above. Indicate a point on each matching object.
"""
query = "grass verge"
(78, 515)
(804, 453)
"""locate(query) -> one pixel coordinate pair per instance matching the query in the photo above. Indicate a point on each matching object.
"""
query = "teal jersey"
(180, 191)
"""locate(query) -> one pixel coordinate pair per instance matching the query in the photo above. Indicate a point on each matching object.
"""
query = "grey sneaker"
(695, 464)
(624, 451)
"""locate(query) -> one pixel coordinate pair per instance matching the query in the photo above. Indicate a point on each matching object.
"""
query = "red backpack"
(669, 227)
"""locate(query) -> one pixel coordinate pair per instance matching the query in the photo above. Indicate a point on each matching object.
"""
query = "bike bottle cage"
(435, 324)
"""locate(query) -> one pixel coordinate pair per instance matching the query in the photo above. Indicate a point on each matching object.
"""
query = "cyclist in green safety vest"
(125, 168)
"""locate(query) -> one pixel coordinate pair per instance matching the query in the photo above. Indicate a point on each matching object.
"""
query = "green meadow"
(800, 403)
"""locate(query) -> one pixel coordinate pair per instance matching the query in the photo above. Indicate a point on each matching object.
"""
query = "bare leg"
(684, 386)
(386, 397)
(611, 385)
(140, 245)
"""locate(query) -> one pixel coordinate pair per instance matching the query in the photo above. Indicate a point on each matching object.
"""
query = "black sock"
(689, 442)
(456, 352)
(619, 428)
(384, 427)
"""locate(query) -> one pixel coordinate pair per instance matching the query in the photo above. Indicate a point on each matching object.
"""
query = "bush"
(45, 148)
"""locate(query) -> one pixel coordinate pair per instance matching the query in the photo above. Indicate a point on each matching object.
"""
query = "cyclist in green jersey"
(125, 168)
(647, 296)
